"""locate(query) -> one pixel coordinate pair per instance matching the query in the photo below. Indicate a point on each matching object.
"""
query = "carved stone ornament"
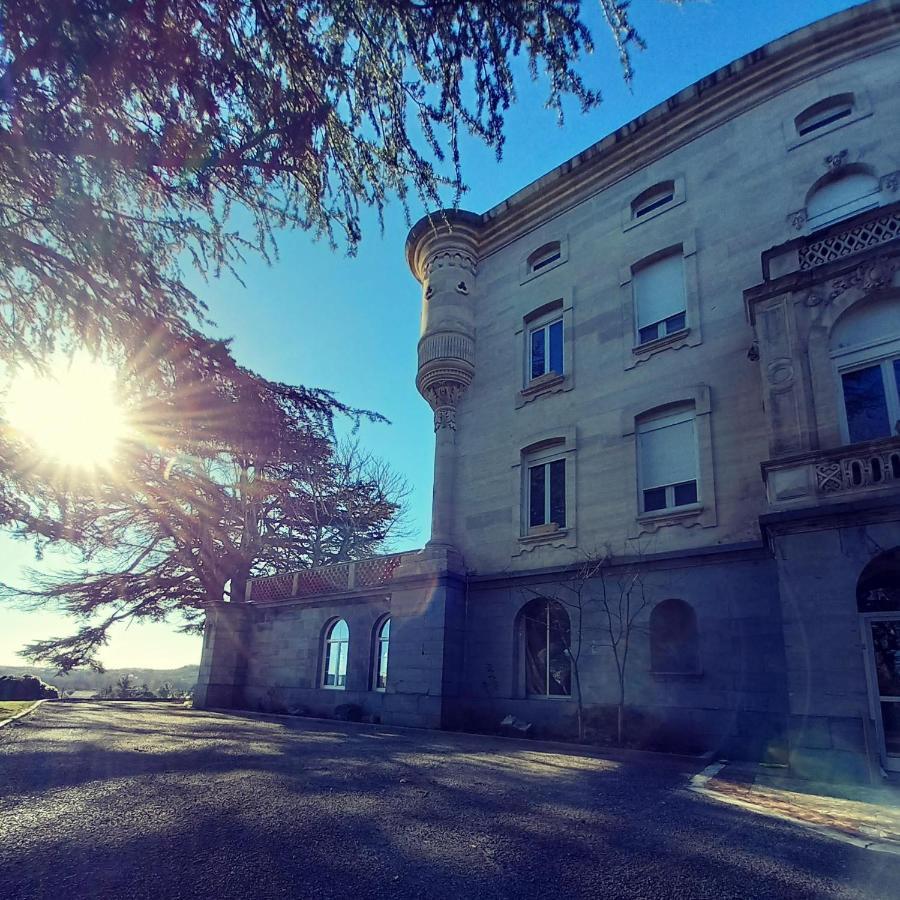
(891, 182)
(872, 275)
(457, 259)
(429, 292)
(445, 417)
(753, 352)
(462, 288)
(812, 299)
(836, 161)
(798, 220)
(441, 394)
(780, 372)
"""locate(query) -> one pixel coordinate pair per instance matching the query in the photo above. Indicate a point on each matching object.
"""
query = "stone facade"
(536, 355)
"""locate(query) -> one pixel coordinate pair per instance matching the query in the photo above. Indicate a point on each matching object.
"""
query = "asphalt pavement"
(154, 801)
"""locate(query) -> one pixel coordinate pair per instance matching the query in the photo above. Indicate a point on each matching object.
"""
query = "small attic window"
(544, 256)
(653, 198)
(824, 113)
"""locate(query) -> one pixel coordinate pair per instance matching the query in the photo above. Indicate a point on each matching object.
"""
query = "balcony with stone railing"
(856, 471)
(319, 581)
(868, 231)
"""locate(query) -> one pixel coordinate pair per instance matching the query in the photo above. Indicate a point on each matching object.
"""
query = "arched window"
(865, 347)
(653, 198)
(547, 639)
(673, 638)
(337, 642)
(841, 197)
(824, 113)
(544, 256)
(382, 645)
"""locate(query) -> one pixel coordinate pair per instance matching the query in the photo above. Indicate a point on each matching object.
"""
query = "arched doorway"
(878, 601)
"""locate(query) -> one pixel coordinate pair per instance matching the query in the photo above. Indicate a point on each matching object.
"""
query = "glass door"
(884, 665)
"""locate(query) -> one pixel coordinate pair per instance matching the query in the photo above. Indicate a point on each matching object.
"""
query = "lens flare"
(70, 413)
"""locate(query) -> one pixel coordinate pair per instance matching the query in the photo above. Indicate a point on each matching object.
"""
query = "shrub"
(26, 687)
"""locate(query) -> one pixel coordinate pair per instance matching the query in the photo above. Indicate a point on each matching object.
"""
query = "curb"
(25, 712)
(698, 785)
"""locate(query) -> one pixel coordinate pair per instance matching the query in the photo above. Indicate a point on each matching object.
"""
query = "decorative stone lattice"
(853, 473)
(867, 234)
(335, 579)
(272, 587)
(378, 571)
(324, 580)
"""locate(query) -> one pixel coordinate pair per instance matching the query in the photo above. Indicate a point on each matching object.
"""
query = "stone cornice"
(703, 106)
(707, 104)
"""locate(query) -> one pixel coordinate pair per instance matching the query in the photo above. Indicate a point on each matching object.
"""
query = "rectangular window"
(872, 400)
(547, 494)
(546, 349)
(659, 298)
(667, 461)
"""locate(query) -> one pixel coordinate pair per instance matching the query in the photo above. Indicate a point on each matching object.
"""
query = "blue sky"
(320, 318)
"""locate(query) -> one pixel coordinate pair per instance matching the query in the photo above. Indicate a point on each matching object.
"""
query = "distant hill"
(182, 679)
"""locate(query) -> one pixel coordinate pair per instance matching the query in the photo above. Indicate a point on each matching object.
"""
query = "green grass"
(10, 708)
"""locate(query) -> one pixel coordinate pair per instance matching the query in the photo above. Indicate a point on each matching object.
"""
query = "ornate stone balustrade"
(868, 233)
(873, 229)
(320, 580)
(838, 474)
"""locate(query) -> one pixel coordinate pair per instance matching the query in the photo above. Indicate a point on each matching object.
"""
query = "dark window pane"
(864, 400)
(536, 496)
(653, 204)
(537, 353)
(655, 498)
(675, 323)
(558, 492)
(556, 347)
(897, 379)
(685, 493)
(536, 647)
(650, 333)
(545, 261)
(559, 682)
(886, 644)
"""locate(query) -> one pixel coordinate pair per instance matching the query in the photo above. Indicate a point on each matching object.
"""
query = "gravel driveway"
(147, 800)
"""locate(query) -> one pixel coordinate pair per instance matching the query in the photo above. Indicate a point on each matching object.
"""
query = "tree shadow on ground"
(213, 806)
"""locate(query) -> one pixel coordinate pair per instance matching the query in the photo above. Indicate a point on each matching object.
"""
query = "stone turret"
(442, 253)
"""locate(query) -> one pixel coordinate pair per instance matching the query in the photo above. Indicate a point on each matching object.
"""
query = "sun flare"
(70, 413)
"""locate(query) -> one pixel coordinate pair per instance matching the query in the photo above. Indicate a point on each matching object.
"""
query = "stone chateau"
(668, 374)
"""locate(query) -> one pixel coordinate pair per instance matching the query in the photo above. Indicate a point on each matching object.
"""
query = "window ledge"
(659, 343)
(551, 383)
(676, 676)
(536, 538)
(333, 687)
(543, 382)
(543, 698)
(662, 516)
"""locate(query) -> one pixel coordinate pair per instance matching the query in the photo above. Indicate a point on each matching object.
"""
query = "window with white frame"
(840, 198)
(865, 347)
(382, 645)
(667, 460)
(659, 297)
(544, 256)
(545, 492)
(652, 199)
(337, 643)
(824, 113)
(545, 346)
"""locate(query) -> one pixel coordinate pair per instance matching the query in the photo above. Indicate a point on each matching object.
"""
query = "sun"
(70, 413)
